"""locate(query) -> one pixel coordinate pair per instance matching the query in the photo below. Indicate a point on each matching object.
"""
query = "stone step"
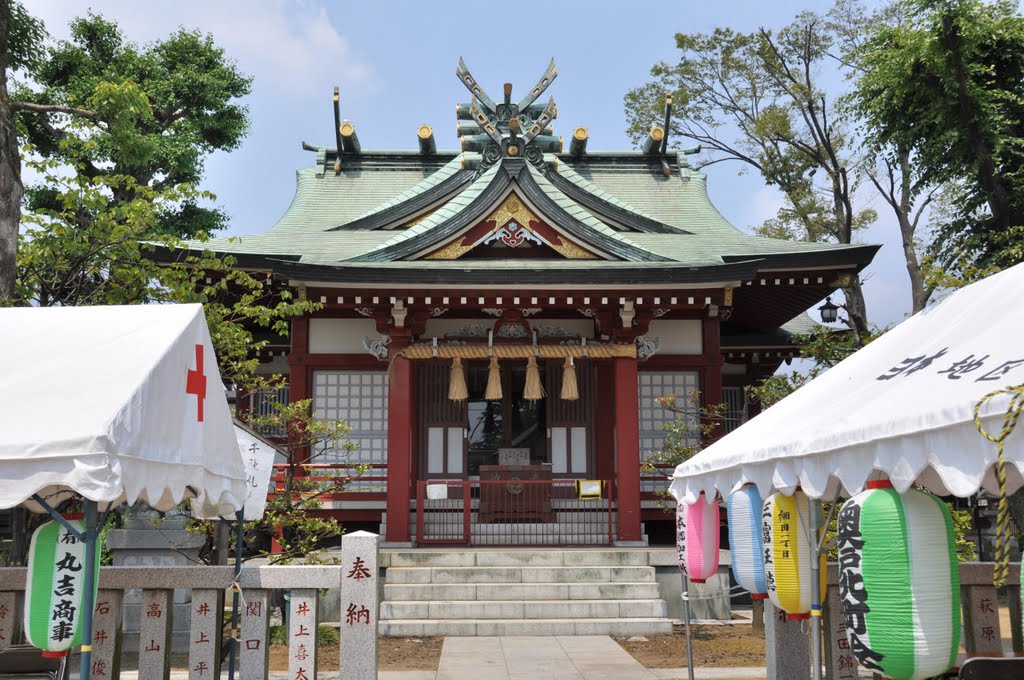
(521, 591)
(600, 557)
(492, 627)
(541, 574)
(522, 609)
(524, 540)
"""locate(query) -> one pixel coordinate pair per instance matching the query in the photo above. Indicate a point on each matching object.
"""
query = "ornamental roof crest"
(507, 130)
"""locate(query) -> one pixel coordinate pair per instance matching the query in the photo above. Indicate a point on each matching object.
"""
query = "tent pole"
(235, 637)
(686, 620)
(91, 532)
(815, 506)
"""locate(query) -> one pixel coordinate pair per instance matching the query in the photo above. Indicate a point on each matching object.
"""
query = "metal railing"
(511, 513)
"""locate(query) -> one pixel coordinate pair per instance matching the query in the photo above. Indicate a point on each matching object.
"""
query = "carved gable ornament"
(511, 225)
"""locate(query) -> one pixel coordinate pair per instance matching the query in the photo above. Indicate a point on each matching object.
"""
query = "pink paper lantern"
(697, 538)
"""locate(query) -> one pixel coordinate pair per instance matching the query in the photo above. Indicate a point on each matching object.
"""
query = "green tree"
(113, 258)
(889, 166)
(756, 98)
(107, 107)
(947, 85)
(21, 40)
(161, 110)
(690, 428)
(824, 348)
(292, 514)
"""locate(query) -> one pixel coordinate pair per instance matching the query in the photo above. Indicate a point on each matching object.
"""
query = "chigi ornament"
(899, 582)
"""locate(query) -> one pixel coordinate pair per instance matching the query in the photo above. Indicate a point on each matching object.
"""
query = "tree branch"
(55, 108)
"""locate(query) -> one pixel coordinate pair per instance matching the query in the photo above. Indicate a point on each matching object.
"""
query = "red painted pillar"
(604, 424)
(711, 389)
(400, 411)
(627, 447)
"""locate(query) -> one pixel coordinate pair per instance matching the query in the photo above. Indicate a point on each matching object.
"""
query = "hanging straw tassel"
(570, 391)
(457, 382)
(533, 389)
(493, 392)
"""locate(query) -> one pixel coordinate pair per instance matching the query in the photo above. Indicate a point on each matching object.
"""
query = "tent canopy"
(902, 407)
(117, 404)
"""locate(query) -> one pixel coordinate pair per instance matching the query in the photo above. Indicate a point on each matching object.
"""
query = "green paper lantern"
(899, 582)
(55, 588)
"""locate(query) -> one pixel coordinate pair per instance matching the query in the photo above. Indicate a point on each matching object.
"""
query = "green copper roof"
(380, 182)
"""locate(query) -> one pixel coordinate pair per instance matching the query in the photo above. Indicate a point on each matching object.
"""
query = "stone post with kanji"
(359, 605)
(787, 649)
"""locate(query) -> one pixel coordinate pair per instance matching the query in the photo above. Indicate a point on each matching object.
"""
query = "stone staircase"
(521, 592)
(597, 528)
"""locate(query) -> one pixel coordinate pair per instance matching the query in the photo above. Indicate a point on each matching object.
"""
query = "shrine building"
(498, 321)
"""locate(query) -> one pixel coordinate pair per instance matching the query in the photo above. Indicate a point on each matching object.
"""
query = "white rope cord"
(715, 595)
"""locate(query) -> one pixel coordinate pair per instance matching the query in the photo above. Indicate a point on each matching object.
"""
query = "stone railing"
(788, 648)
(209, 615)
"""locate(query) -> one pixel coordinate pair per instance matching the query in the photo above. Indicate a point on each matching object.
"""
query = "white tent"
(902, 407)
(117, 404)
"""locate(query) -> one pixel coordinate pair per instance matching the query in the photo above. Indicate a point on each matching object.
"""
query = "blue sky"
(395, 63)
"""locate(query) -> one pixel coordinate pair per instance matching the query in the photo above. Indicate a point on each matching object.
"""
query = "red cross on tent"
(195, 383)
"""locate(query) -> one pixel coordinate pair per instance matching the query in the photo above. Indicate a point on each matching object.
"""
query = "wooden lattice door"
(570, 422)
(442, 424)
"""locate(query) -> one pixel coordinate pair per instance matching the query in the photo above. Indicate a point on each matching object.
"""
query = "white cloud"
(290, 47)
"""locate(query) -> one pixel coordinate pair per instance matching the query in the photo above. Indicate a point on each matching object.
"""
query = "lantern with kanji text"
(789, 547)
(55, 586)
(697, 538)
(899, 582)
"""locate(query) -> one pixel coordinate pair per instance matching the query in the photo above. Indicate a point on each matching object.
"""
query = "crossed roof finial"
(496, 119)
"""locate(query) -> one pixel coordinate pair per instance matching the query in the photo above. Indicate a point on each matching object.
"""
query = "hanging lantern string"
(1013, 412)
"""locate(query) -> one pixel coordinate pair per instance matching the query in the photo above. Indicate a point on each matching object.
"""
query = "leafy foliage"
(685, 434)
(756, 98)
(825, 347)
(98, 248)
(25, 38)
(947, 85)
(159, 111)
(291, 514)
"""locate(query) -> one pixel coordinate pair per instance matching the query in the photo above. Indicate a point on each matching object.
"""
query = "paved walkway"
(590, 657)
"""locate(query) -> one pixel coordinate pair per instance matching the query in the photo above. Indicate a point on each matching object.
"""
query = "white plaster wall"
(678, 336)
(340, 336)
